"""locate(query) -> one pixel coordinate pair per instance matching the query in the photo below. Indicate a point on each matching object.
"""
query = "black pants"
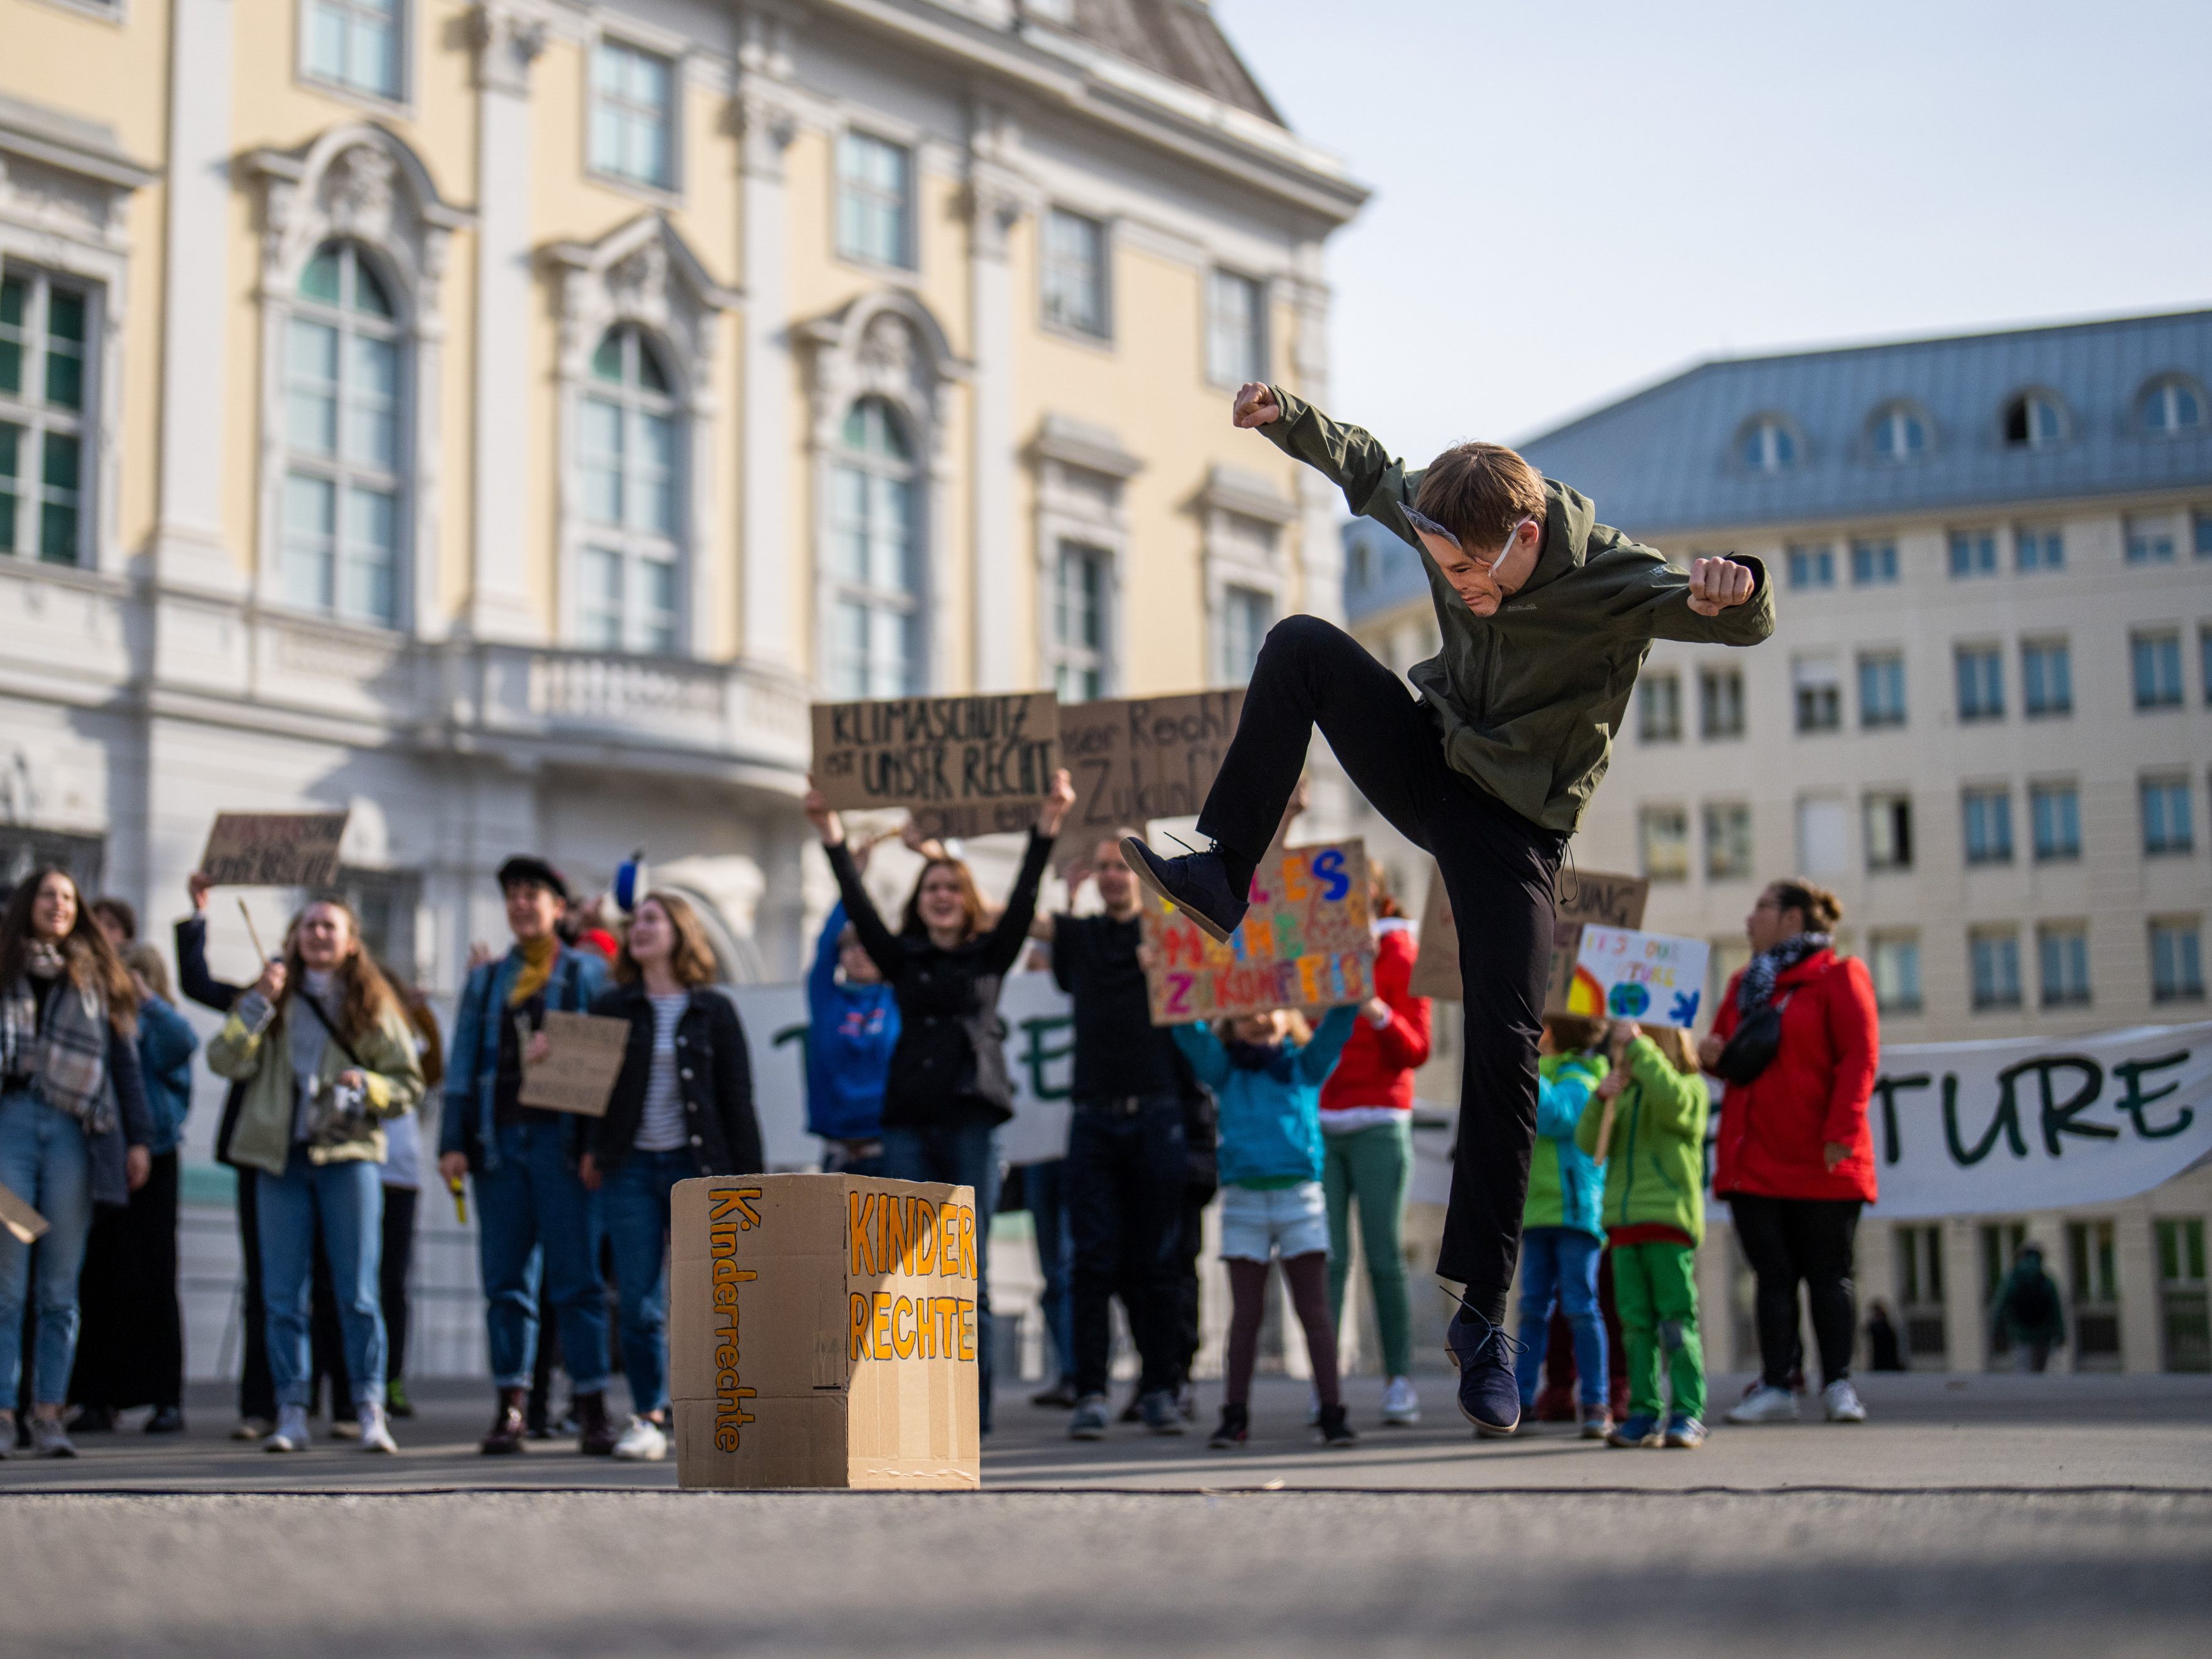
(399, 1261)
(1124, 1183)
(130, 1345)
(257, 1390)
(1190, 1244)
(1789, 1239)
(1499, 871)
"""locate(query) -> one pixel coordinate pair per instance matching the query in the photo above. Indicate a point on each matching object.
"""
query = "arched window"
(2034, 420)
(2171, 406)
(1769, 445)
(876, 552)
(344, 478)
(627, 453)
(1898, 432)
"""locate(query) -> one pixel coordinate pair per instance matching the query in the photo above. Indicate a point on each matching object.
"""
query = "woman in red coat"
(1796, 1156)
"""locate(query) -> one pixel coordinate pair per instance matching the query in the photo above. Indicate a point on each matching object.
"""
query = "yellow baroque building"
(501, 419)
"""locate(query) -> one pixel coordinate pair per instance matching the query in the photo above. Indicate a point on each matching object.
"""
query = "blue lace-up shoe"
(1195, 883)
(1639, 1429)
(1489, 1397)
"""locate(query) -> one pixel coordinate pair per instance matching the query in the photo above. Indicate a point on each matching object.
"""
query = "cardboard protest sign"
(274, 849)
(823, 1333)
(583, 1058)
(1134, 759)
(1658, 979)
(1585, 895)
(21, 1219)
(964, 766)
(1305, 943)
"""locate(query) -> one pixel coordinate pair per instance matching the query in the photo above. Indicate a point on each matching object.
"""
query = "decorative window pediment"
(643, 273)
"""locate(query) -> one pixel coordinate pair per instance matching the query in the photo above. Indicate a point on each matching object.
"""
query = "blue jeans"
(634, 1208)
(534, 1216)
(1559, 1266)
(959, 1155)
(347, 1199)
(1044, 1185)
(45, 1161)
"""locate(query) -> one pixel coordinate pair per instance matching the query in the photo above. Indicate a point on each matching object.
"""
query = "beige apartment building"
(1985, 720)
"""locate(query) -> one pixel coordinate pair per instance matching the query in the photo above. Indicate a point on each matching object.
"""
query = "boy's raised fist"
(1716, 584)
(1255, 405)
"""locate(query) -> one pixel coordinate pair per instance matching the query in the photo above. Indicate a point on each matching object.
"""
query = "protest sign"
(20, 1219)
(1134, 759)
(823, 1333)
(1582, 896)
(274, 849)
(963, 766)
(1658, 979)
(583, 1057)
(1305, 943)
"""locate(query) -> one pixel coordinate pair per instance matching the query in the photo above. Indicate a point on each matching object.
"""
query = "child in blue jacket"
(853, 1026)
(1267, 1071)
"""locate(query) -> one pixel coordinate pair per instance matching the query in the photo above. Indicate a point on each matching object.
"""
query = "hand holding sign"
(572, 1064)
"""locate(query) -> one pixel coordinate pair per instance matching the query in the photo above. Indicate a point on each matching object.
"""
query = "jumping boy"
(1546, 616)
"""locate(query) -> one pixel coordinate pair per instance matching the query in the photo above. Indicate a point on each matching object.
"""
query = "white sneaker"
(643, 1442)
(49, 1438)
(1765, 1405)
(1400, 1405)
(1841, 1401)
(375, 1432)
(291, 1431)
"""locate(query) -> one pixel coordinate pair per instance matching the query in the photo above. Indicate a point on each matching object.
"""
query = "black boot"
(507, 1433)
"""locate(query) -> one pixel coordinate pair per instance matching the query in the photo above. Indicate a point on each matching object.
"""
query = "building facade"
(1985, 720)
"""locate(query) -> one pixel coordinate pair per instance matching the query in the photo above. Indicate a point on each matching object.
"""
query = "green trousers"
(1656, 1289)
(1372, 1167)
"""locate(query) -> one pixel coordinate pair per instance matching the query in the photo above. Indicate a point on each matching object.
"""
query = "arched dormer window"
(1769, 444)
(2170, 406)
(876, 625)
(2034, 420)
(630, 455)
(1899, 431)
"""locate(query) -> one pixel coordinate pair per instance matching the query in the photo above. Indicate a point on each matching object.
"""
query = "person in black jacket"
(948, 1090)
(682, 1106)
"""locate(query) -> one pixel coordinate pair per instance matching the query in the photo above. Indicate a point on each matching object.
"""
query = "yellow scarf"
(537, 954)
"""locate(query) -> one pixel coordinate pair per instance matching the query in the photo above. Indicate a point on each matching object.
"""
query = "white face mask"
(1505, 552)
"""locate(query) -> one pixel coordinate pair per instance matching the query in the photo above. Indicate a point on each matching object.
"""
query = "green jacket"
(1529, 700)
(1564, 1182)
(1655, 1166)
(252, 1048)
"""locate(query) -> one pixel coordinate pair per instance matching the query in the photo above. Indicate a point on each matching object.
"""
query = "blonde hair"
(145, 961)
(1673, 1041)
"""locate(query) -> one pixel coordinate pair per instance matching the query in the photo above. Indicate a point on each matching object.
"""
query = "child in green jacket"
(1647, 1126)
(1561, 1232)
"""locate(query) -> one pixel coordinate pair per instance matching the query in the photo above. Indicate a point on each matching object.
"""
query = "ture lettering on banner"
(962, 766)
(1305, 943)
(274, 849)
(1134, 759)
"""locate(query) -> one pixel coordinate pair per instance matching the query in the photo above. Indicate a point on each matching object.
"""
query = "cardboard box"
(823, 1333)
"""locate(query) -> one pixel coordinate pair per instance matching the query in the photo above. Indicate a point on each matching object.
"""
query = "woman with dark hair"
(74, 1127)
(1797, 1040)
(682, 1106)
(948, 1090)
(326, 1052)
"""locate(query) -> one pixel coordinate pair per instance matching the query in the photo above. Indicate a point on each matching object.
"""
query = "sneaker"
(1684, 1432)
(50, 1439)
(1336, 1433)
(1158, 1411)
(166, 1419)
(375, 1435)
(1638, 1429)
(1196, 884)
(1235, 1428)
(1765, 1405)
(1402, 1406)
(1088, 1421)
(1596, 1422)
(1841, 1401)
(396, 1402)
(252, 1428)
(1489, 1398)
(1061, 1396)
(290, 1434)
(643, 1442)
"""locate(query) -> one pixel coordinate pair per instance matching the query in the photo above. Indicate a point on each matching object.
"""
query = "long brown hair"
(368, 995)
(972, 908)
(691, 959)
(90, 960)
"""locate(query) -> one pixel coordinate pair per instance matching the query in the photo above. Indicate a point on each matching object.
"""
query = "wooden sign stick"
(246, 916)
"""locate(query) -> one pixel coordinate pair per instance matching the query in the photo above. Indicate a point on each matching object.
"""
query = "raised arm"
(1375, 483)
(1209, 1060)
(1318, 1058)
(192, 975)
(878, 940)
(1002, 945)
(1717, 601)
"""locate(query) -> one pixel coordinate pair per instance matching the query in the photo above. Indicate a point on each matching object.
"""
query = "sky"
(1578, 197)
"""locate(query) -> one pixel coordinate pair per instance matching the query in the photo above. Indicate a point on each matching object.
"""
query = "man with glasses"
(1546, 616)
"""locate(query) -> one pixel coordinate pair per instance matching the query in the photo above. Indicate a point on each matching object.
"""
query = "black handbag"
(1750, 1046)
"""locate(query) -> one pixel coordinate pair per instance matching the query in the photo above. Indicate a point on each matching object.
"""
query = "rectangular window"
(2201, 538)
(1874, 563)
(2061, 955)
(2165, 825)
(1889, 831)
(1973, 553)
(1894, 961)
(46, 366)
(1247, 615)
(1078, 622)
(1720, 702)
(1981, 681)
(1659, 709)
(633, 112)
(875, 200)
(1920, 1291)
(1820, 689)
(1664, 834)
(2155, 661)
(2182, 1301)
(1728, 842)
(2055, 810)
(2177, 972)
(1988, 814)
(1823, 835)
(1236, 329)
(2150, 538)
(1993, 955)
(2047, 678)
(2093, 1278)
(1881, 689)
(2040, 547)
(355, 44)
(1812, 566)
(1075, 273)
